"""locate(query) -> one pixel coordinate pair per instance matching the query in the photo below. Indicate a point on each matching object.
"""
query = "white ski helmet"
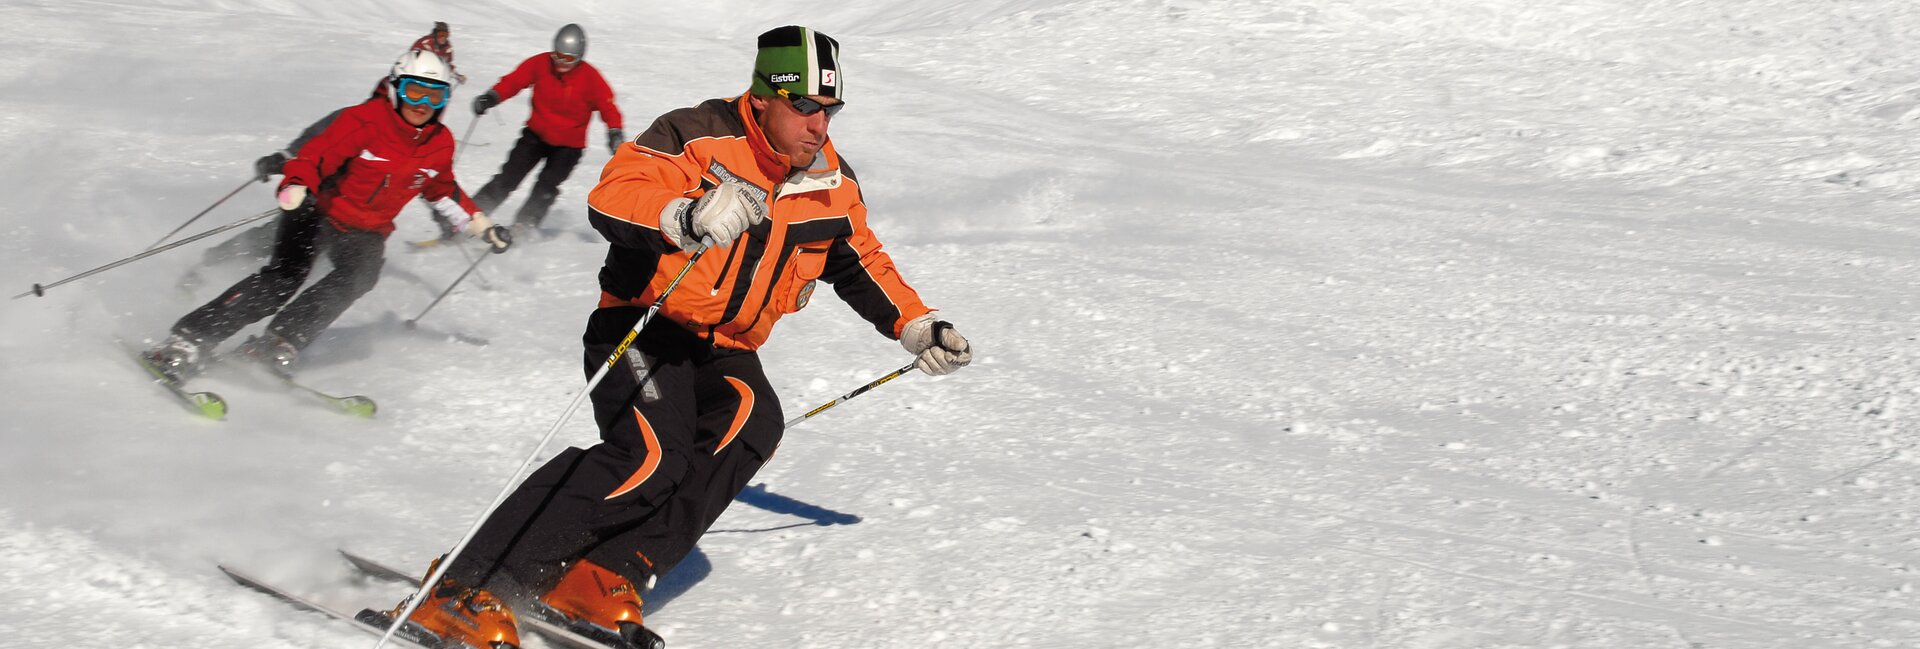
(420, 65)
(571, 41)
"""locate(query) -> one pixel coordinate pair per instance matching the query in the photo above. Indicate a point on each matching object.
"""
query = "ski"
(376, 569)
(552, 626)
(205, 404)
(355, 405)
(306, 604)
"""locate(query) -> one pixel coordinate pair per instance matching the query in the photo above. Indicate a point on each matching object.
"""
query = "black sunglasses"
(803, 104)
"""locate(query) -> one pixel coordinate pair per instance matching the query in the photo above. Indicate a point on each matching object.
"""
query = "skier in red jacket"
(437, 42)
(367, 164)
(566, 92)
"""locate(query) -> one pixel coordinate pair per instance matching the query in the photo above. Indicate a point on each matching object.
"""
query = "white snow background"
(1306, 323)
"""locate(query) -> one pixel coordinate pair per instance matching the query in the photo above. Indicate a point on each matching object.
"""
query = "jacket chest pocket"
(809, 262)
(379, 174)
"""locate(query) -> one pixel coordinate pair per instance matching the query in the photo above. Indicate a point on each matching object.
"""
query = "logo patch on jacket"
(369, 156)
(419, 180)
(806, 293)
(724, 175)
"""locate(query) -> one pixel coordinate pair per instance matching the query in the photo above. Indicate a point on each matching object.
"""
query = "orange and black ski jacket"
(816, 229)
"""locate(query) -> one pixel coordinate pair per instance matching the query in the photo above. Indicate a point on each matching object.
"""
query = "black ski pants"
(528, 151)
(683, 427)
(357, 257)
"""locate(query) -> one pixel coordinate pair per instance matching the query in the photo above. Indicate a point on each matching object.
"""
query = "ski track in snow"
(1311, 324)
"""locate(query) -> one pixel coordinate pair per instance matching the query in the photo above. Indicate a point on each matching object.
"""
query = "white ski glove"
(292, 197)
(717, 217)
(940, 348)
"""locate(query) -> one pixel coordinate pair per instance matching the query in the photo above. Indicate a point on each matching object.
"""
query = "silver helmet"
(571, 41)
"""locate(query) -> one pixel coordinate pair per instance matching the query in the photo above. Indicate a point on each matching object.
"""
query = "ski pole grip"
(940, 328)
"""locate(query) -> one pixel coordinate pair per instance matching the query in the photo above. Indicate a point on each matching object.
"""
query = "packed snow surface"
(1310, 323)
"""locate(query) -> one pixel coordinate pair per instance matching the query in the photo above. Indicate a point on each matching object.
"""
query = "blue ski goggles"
(420, 92)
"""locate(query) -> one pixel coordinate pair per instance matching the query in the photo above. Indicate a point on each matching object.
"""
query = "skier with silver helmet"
(567, 91)
(571, 40)
(339, 194)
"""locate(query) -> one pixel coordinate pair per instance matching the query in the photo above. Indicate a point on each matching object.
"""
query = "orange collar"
(774, 163)
(777, 165)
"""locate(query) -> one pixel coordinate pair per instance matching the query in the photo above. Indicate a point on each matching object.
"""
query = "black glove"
(268, 165)
(485, 101)
(614, 139)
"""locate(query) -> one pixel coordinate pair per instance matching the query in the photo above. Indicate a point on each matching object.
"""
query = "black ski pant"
(527, 152)
(683, 427)
(252, 244)
(357, 257)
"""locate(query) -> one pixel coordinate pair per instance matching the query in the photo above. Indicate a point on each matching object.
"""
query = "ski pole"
(204, 212)
(443, 294)
(463, 141)
(461, 245)
(433, 579)
(41, 290)
(845, 397)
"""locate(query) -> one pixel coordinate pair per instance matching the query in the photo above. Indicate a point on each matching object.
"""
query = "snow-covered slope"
(1404, 323)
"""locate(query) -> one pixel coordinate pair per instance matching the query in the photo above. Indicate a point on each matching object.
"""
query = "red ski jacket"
(368, 163)
(562, 103)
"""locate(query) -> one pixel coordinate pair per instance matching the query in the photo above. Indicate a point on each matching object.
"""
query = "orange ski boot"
(600, 604)
(455, 616)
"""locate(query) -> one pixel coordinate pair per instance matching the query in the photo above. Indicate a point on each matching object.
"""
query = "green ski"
(206, 404)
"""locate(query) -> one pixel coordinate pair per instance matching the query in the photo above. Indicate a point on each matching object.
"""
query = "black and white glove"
(486, 100)
(499, 237)
(496, 236)
(614, 139)
(717, 217)
(269, 165)
(937, 347)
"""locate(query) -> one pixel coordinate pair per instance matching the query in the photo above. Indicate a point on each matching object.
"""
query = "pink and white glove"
(292, 197)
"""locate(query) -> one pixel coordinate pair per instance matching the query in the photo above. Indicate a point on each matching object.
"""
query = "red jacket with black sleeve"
(816, 229)
(369, 162)
(563, 104)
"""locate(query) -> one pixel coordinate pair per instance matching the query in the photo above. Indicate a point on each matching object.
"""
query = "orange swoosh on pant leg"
(648, 466)
(739, 415)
